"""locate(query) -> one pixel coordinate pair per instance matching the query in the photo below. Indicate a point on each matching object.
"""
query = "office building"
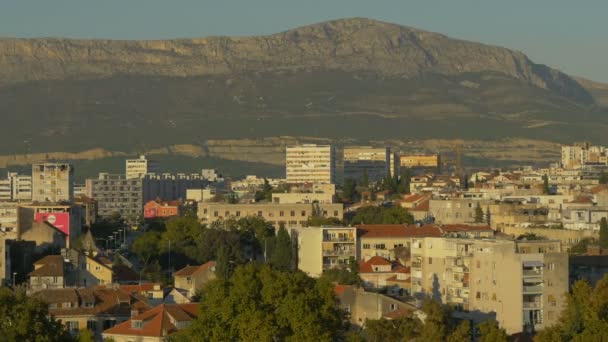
(522, 283)
(291, 215)
(424, 161)
(52, 182)
(116, 194)
(360, 161)
(138, 168)
(310, 163)
(170, 187)
(323, 248)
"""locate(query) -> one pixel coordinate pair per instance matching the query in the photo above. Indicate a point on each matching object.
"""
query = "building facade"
(138, 168)
(170, 187)
(366, 160)
(426, 161)
(522, 283)
(310, 163)
(290, 215)
(16, 187)
(323, 248)
(52, 182)
(116, 194)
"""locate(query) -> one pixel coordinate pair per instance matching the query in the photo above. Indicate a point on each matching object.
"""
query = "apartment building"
(456, 210)
(366, 160)
(52, 182)
(16, 187)
(322, 248)
(116, 194)
(307, 193)
(310, 163)
(138, 168)
(170, 187)
(522, 283)
(291, 215)
(426, 161)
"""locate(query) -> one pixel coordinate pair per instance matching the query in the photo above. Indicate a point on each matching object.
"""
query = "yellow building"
(522, 283)
(322, 248)
(420, 160)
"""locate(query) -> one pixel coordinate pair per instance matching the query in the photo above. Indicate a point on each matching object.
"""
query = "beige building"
(310, 163)
(291, 215)
(49, 273)
(522, 282)
(322, 248)
(138, 168)
(193, 278)
(456, 210)
(362, 305)
(376, 162)
(303, 197)
(431, 161)
(52, 182)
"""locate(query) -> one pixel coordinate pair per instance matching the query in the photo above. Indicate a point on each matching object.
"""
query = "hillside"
(345, 78)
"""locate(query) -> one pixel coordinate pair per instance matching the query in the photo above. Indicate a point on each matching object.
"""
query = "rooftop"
(157, 322)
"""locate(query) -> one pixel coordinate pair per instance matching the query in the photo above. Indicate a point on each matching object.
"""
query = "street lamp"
(14, 276)
(111, 237)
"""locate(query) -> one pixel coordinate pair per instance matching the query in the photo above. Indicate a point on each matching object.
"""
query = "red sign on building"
(61, 221)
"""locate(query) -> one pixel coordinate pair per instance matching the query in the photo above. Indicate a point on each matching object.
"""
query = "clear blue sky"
(567, 34)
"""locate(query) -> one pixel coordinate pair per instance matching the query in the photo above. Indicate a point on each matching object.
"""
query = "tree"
(365, 179)
(265, 193)
(259, 303)
(478, 214)
(349, 191)
(344, 275)
(147, 246)
(462, 333)
(603, 233)
(603, 177)
(436, 325)
(223, 267)
(27, 319)
(281, 256)
(581, 246)
(382, 215)
(86, 335)
(546, 189)
(491, 332)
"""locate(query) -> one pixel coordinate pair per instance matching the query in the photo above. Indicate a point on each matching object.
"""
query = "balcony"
(338, 252)
(460, 269)
(532, 273)
(338, 239)
(416, 265)
(532, 305)
(533, 289)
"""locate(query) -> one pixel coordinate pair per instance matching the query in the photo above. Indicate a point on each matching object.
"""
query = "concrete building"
(291, 215)
(310, 163)
(212, 175)
(116, 194)
(323, 248)
(52, 182)
(425, 161)
(138, 168)
(522, 283)
(8, 217)
(36, 220)
(170, 187)
(456, 210)
(16, 187)
(361, 160)
(362, 305)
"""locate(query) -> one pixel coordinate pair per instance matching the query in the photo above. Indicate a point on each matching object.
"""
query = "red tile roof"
(599, 188)
(339, 289)
(397, 230)
(424, 206)
(190, 270)
(368, 266)
(403, 312)
(582, 200)
(145, 287)
(52, 266)
(157, 322)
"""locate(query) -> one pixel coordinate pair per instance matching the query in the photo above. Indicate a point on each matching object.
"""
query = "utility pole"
(169, 254)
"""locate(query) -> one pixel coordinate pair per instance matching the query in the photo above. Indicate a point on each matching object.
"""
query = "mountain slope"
(345, 78)
(348, 45)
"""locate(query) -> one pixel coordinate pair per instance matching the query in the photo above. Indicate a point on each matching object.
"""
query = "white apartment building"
(138, 168)
(310, 163)
(323, 248)
(16, 187)
(376, 162)
(522, 283)
(52, 182)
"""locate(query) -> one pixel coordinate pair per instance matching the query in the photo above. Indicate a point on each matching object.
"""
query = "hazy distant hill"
(351, 77)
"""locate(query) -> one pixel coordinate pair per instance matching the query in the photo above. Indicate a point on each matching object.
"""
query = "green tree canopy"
(491, 332)
(478, 217)
(27, 319)
(604, 233)
(259, 303)
(281, 254)
(382, 215)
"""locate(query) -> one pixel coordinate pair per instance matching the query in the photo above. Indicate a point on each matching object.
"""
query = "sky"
(566, 34)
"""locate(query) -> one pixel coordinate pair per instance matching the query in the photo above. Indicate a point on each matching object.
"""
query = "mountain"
(344, 78)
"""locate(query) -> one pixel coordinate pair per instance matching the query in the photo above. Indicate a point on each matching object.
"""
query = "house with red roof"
(378, 273)
(154, 325)
(161, 209)
(193, 278)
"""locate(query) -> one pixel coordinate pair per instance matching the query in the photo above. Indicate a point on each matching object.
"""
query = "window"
(189, 280)
(293, 213)
(137, 324)
(260, 214)
(303, 213)
(430, 261)
(72, 326)
(335, 213)
(393, 307)
(92, 325)
(216, 214)
(281, 213)
(97, 268)
(366, 246)
(551, 266)
(238, 213)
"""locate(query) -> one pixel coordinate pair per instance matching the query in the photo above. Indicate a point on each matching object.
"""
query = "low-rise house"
(49, 273)
(96, 308)
(362, 305)
(154, 325)
(161, 209)
(154, 293)
(193, 278)
(378, 273)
